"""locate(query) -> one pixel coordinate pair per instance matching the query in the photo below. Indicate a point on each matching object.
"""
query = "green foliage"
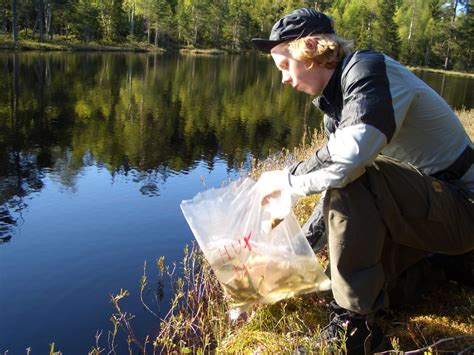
(463, 46)
(160, 17)
(386, 30)
(85, 24)
(239, 30)
(436, 33)
(115, 104)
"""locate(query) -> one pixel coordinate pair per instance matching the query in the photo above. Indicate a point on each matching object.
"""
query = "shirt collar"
(331, 98)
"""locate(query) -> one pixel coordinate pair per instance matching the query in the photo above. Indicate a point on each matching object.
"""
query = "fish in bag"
(255, 257)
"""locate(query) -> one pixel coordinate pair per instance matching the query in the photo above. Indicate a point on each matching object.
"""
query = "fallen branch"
(441, 341)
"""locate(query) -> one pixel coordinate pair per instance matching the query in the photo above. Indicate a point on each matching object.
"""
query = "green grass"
(61, 43)
(204, 52)
(442, 71)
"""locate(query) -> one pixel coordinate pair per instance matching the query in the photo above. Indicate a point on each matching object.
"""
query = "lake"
(96, 153)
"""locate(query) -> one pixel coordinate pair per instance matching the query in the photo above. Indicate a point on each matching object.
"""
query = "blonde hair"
(325, 49)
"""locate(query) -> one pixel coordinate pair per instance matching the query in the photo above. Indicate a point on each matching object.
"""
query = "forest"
(430, 33)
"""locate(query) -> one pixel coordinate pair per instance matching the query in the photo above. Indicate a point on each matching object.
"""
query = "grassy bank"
(441, 71)
(198, 320)
(61, 43)
(70, 44)
(205, 52)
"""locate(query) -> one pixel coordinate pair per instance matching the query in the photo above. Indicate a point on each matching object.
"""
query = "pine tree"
(41, 20)
(463, 48)
(386, 32)
(358, 22)
(161, 20)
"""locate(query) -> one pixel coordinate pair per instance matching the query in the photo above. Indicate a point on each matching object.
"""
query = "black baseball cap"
(300, 23)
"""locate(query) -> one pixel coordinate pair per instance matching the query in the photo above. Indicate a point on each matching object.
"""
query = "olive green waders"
(384, 222)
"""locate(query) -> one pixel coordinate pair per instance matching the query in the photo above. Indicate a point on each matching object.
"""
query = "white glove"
(276, 196)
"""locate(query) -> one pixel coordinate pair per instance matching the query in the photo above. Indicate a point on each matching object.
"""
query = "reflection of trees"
(146, 116)
(35, 126)
(161, 112)
(20, 165)
(456, 90)
(19, 177)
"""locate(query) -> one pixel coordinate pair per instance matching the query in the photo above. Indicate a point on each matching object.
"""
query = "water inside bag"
(253, 264)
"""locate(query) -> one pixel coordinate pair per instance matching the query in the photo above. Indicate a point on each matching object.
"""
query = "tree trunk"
(148, 32)
(443, 85)
(446, 61)
(410, 31)
(35, 26)
(15, 22)
(156, 34)
(195, 33)
(448, 52)
(41, 20)
(428, 51)
(4, 20)
(48, 19)
(146, 17)
(16, 86)
(236, 36)
(132, 19)
(195, 26)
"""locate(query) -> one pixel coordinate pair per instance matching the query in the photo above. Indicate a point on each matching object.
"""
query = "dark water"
(96, 153)
(458, 91)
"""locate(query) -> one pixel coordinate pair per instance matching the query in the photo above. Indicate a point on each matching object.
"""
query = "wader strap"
(457, 169)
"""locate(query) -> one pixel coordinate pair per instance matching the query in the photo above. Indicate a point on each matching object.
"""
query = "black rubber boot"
(360, 333)
(458, 268)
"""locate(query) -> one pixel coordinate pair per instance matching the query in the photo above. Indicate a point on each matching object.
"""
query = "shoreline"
(26, 45)
(442, 71)
(67, 46)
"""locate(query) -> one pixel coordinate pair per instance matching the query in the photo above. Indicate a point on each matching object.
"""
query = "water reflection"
(143, 115)
(458, 91)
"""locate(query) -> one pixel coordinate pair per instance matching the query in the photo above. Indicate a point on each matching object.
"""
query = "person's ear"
(311, 44)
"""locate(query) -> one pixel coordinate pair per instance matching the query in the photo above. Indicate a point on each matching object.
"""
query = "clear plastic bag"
(256, 258)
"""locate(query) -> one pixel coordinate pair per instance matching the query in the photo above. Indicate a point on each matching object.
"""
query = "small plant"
(52, 351)
(197, 319)
(395, 342)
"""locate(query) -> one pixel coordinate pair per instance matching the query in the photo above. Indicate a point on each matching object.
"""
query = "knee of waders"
(458, 268)
(349, 199)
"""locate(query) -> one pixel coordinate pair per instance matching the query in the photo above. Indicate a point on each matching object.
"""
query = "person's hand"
(273, 195)
(272, 185)
(276, 196)
(273, 189)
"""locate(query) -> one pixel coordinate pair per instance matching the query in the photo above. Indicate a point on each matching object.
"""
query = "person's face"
(308, 80)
